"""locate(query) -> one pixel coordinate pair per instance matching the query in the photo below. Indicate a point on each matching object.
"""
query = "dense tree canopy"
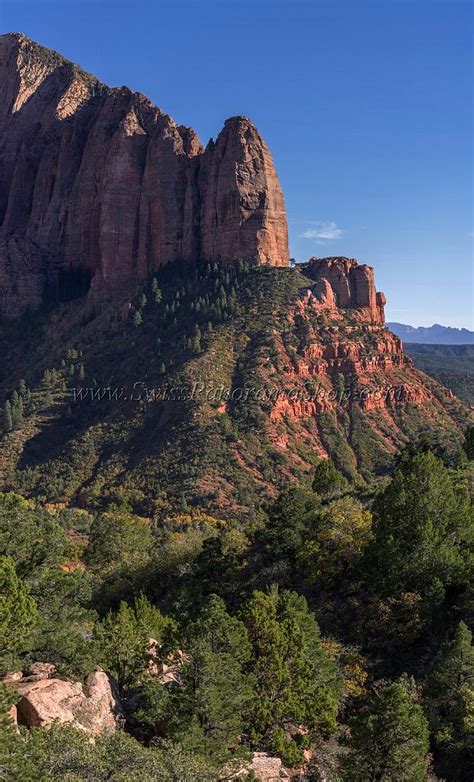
(423, 531)
(389, 742)
(208, 627)
(296, 681)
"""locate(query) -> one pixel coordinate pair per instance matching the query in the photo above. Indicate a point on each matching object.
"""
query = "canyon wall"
(99, 183)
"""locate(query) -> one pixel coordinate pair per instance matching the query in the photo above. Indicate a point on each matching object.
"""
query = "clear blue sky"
(366, 106)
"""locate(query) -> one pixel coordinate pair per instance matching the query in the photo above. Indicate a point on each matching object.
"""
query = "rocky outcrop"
(265, 768)
(44, 699)
(99, 187)
(343, 283)
(242, 201)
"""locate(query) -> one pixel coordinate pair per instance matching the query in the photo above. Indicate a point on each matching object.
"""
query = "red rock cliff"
(341, 283)
(100, 181)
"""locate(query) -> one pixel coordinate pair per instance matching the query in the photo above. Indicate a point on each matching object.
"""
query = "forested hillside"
(450, 365)
(329, 629)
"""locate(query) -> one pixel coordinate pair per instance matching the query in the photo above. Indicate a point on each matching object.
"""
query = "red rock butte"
(98, 183)
(342, 283)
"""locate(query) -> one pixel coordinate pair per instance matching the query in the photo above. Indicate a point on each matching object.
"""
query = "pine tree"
(18, 614)
(7, 417)
(328, 482)
(123, 638)
(295, 681)
(389, 743)
(82, 373)
(422, 528)
(142, 301)
(23, 388)
(449, 699)
(162, 368)
(17, 410)
(196, 339)
(206, 713)
(157, 295)
(137, 319)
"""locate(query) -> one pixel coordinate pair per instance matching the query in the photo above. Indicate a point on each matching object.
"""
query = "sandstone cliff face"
(99, 181)
(341, 283)
(242, 202)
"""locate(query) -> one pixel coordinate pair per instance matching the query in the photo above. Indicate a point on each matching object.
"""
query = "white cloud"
(322, 231)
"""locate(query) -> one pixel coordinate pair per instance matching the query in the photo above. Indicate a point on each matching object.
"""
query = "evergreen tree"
(142, 301)
(137, 319)
(162, 368)
(117, 539)
(18, 614)
(17, 410)
(389, 743)
(449, 698)
(123, 639)
(216, 690)
(155, 289)
(23, 388)
(295, 681)
(196, 339)
(469, 442)
(328, 482)
(7, 417)
(209, 707)
(422, 531)
(291, 518)
(82, 373)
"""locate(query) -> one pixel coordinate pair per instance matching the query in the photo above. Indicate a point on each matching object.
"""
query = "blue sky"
(366, 106)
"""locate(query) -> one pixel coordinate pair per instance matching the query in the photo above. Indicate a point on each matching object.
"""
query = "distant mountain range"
(432, 335)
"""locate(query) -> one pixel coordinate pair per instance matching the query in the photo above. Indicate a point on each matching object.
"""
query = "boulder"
(265, 767)
(12, 676)
(38, 671)
(93, 706)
